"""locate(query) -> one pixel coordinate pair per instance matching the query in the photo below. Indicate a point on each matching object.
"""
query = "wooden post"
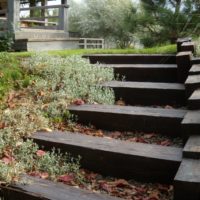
(14, 15)
(180, 41)
(63, 17)
(188, 46)
(183, 60)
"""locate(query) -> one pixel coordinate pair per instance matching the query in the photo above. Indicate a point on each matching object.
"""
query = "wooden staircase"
(143, 162)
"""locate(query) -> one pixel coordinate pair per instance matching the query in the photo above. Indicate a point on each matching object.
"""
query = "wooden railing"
(43, 22)
(91, 43)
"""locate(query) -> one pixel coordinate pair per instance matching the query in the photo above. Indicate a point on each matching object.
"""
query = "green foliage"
(10, 73)
(6, 41)
(72, 78)
(168, 19)
(63, 53)
(114, 20)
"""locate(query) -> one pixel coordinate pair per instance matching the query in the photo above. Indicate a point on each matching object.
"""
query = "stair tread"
(189, 171)
(195, 95)
(193, 79)
(113, 145)
(145, 85)
(192, 147)
(131, 110)
(146, 66)
(44, 189)
(192, 117)
(111, 157)
(195, 69)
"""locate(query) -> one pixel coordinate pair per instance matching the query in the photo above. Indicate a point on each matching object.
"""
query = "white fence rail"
(91, 43)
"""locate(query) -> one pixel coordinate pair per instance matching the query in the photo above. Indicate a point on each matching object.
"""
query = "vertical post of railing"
(13, 15)
(63, 16)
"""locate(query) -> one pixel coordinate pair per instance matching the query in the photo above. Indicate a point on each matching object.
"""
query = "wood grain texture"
(194, 100)
(117, 158)
(131, 118)
(148, 93)
(191, 123)
(195, 69)
(39, 189)
(187, 180)
(192, 147)
(132, 58)
(192, 83)
(146, 72)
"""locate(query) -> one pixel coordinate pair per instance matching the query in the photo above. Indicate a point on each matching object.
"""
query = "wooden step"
(191, 123)
(192, 83)
(39, 189)
(195, 61)
(195, 70)
(148, 93)
(192, 147)
(129, 118)
(146, 72)
(187, 180)
(132, 58)
(194, 100)
(144, 162)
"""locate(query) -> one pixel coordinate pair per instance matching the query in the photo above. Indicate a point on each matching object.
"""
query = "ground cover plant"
(37, 99)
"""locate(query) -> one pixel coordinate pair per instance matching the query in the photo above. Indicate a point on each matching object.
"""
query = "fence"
(91, 43)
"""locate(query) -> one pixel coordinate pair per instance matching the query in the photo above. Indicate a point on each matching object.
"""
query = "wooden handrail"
(44, 7)
(4, 11)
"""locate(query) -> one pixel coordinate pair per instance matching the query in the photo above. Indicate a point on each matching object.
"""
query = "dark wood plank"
(192, 83)
(116, 158)
(180, 41)
(183, 60)
(130, 118)
(146, 72)
(195, 61)
(194, 100)
(132, 58)
(187, 180)
(148, 93)
(191, 123)
(192, 147)
(39, 189)
(188, 46)
(195, 69)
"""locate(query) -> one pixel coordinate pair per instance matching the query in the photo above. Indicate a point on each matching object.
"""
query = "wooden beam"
(144, 162)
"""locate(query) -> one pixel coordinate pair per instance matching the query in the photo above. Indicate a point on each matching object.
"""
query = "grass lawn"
(168, 49)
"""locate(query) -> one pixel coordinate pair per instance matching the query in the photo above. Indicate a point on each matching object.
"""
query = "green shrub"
(60, 81)
(6, 41)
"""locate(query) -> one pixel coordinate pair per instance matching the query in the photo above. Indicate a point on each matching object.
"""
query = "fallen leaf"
(168, 107)
(115, 134)
(7, 160)
(121, 183)
(46, 130)
(2, 125)
(149, 136)
(40, 153)
(66, 178)
(165, 143)
(44, 175)
(78, 102)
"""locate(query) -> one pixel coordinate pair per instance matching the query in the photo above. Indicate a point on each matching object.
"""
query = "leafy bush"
(6, 41)
(60, 81)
